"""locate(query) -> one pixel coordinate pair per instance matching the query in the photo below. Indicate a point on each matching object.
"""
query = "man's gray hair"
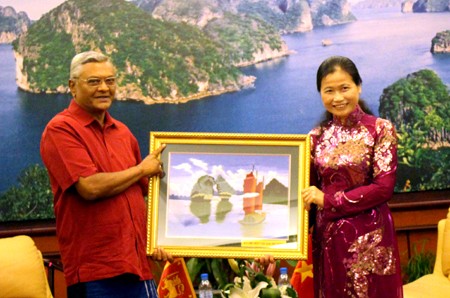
(83, 58)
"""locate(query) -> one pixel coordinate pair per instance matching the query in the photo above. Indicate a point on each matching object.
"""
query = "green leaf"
(193, 266)
(291, 292)
(219, 272)
(292, 263)
(270, 293)
(261, 277)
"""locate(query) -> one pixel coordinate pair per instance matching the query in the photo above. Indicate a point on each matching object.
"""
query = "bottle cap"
(204, 276)
(283, 270)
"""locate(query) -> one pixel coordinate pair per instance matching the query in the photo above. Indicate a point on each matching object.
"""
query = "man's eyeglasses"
(95, 82)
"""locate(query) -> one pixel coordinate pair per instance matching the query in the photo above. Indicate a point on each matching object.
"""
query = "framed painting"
(229, 195)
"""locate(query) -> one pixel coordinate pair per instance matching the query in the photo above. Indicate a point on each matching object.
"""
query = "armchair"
(22, 271)
(436, 284)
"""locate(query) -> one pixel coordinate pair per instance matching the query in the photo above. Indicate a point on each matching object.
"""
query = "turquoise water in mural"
(386, 45)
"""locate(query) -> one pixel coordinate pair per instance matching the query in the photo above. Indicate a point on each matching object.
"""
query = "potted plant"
(420, 264)
(239, 278)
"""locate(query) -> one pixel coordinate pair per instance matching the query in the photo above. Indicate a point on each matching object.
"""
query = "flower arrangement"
(252, 282)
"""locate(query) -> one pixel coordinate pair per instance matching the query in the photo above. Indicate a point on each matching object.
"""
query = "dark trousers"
(122, 286)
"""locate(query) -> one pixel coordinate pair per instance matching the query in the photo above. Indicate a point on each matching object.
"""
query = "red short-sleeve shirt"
(102, 238)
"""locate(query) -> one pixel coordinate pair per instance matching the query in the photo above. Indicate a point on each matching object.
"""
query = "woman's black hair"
(329, 66)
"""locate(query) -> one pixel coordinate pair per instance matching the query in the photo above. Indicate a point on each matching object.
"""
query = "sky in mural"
(36, 8)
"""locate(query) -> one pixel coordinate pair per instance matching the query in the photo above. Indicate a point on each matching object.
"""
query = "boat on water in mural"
(252, 200)
(207, 189)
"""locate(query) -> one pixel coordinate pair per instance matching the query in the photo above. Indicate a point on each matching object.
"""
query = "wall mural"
(244, 66)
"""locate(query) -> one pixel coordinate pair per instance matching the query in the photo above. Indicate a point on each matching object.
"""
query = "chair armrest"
(52, 264)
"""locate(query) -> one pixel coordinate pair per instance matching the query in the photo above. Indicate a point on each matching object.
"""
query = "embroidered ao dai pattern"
(355, 247)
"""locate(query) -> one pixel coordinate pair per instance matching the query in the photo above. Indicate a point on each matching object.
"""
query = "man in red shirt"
(99, 182)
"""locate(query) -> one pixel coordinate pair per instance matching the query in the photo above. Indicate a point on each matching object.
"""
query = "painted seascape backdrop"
(222, 66)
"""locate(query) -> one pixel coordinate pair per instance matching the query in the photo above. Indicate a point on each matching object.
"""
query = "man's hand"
(102, 185)
(159, 254)
(151, 165)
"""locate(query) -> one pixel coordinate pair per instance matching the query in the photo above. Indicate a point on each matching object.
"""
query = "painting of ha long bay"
(242, 195)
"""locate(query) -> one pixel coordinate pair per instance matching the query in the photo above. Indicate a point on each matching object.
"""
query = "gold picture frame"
(229, 195)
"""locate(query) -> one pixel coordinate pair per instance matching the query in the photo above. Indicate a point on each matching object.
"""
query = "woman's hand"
(265, 260)
(312, 195)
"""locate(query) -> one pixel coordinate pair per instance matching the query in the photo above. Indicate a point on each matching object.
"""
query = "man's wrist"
(140, 171)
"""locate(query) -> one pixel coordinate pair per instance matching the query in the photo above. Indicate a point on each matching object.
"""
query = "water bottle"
(205, 288)
(283, 280)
